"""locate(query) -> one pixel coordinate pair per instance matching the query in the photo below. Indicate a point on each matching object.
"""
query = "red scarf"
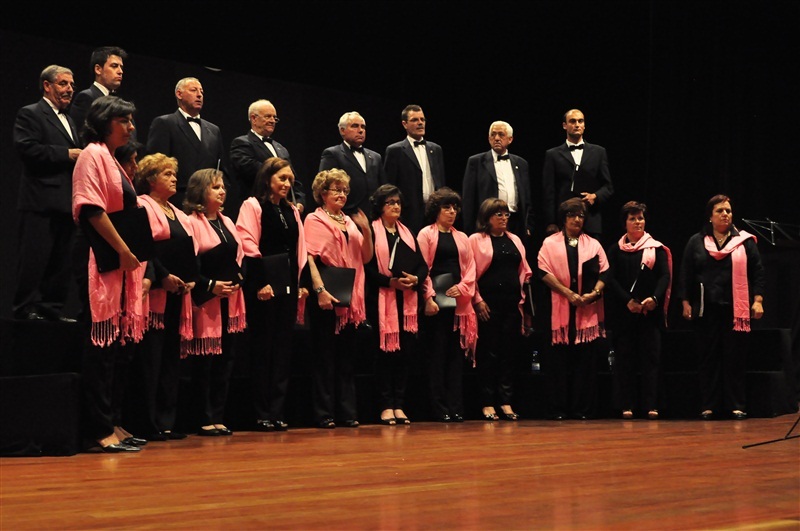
(157, 298)
(483, 251)
(325, 240)
(388, 321)
(648, 245)
(465, 319)
(248, 226)
(207, 319)
(588, 319)
(97, 180)
(741, 291)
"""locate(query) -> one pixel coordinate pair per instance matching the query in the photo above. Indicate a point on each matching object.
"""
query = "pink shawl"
(389, 325)
(206, 319)
(325, 240)
(648, 245)
(553, 260)
(248, 225)
(158, 296)
(97, 180)
(466, 321)
(741, 291)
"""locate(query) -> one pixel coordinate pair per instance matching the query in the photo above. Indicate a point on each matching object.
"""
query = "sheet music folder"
(339, 282)
(177, 256)
(218, 263)
(133, 227)
(442, 283)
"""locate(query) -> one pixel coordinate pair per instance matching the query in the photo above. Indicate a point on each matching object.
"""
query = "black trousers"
(637, 346)
(270, 329)
(722, 355)
(333, 358)
(43, 263)
(499, 344)
(211, 376)
(572, 379)
(391, 373)
(446, 364)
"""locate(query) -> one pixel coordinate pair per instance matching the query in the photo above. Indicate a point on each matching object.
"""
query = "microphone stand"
(784, 438)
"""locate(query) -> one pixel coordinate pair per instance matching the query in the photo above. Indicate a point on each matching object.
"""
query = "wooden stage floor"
(604, 474)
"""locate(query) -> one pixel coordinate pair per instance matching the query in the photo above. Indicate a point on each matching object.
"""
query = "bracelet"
(319, 289)
(598, 292)
(211, 285)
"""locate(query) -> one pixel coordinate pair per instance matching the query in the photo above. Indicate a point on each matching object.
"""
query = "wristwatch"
(319, 289)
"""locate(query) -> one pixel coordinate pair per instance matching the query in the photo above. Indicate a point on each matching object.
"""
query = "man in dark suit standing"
(576, 169)
(196, 143)
(415, 166)
(46, 140)
(497, 173)
(362, 165)
(106, 64)
(249, 151)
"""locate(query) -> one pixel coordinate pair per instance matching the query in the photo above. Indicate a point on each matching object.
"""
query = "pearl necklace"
(573, 242)
(338, 218)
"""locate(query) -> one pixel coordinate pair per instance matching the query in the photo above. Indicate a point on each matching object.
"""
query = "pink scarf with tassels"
(207, 319)
(588, 319)
(97, 180)
(483, 251)
(466, 320)
(248, 225)
(158, 296)
(648, 245)
(741, 291)
(388, 321)
(325, 240)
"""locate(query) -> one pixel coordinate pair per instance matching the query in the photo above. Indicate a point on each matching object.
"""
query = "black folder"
(645, 284)
(274, 270)
(177, 256)
(442, 283)
(339, 282)
(218, 263)
(133, 227)
(403, 258)
(590, 273)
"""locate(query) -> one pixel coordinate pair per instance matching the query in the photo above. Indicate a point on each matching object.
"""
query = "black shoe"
(402, 421)
(444, 418)
(280, 425)
(30, 316)
(739, 415)
(558, 416)
(157, 436)
(391, 421)
(326, 424)
(119, 448)
(134, 441)
(225, 432)
(65, 319)
(351, 424)
(174, 435)
(457, 418)
(265, 425)
(214, 432)
(491, 417)
(509, 416)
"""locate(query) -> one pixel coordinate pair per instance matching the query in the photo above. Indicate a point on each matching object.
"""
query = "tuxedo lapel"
(187, 130)
(409, 151)
(565, 152)
(53, 120)
(488, 164)
(347, 154)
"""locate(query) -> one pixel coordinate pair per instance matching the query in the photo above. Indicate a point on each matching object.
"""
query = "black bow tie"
(267, 140)
(359, 149)
(503, 157)
(195, 120)
(573, 148)
(419, 143)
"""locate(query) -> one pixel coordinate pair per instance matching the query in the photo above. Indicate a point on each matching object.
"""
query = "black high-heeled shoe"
(280, 425)
(119, 448)
(509, 416)
(326, 424)
(391, 421)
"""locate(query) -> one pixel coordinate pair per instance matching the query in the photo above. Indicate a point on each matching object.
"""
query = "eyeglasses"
(339, 191)
(502, 214)
(268, 117)
(580, 215)
(454, 208)
(63, 84)
(392, 202)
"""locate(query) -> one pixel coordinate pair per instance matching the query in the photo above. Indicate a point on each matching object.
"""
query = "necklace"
(338, 218)
(280, 213)
(720, 241)
(573, 242)
(218, 226)
(168, 211)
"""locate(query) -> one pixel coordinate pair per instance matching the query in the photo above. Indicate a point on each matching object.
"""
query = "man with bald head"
(248, 152)
(576, 169)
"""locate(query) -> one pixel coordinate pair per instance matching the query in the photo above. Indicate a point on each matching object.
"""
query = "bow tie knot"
(419, 143)
(267, 140)
(355, 149)
(191, 119)
(573, 148)
(503, 157)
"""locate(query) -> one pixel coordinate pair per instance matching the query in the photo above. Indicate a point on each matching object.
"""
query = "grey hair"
(347, 117)
(50, 73)
(509, 129)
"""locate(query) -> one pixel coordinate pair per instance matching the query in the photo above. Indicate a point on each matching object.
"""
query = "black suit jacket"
(402, 169)
(362, 184)
(81, 103)
(480, 183)
(592, 176)
(43, 145)
(248, 152)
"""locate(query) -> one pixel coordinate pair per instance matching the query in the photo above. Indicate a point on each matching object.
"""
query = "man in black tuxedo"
(196, 143)
(576, 169)
(47, 142)
(362, 165)
(497, 173)
(249, 151)
(106, 64)
(415, 166)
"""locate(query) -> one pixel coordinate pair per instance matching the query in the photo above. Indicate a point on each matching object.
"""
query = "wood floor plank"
(601, 474)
